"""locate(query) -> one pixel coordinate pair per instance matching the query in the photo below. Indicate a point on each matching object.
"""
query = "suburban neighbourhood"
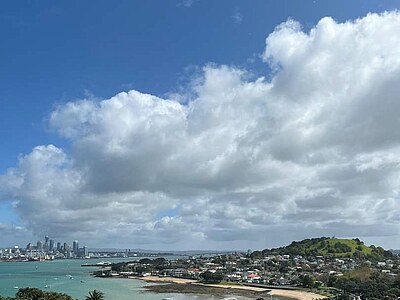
(341, 271)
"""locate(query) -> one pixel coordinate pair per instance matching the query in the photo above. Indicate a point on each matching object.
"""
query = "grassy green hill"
(334, 247)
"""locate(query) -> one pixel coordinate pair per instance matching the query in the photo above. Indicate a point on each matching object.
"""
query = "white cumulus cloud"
(247, 161)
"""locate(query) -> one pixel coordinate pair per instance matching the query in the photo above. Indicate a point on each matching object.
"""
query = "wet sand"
(299, 295)
(199, 289)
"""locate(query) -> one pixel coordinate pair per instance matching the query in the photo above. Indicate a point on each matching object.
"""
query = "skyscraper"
(51, 247)
(75, 247)
(46, 243)
(66, 248)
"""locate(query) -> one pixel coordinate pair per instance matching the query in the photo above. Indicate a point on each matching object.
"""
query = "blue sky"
(55, 52)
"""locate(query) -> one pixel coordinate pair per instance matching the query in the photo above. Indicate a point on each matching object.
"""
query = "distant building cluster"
(45, 250)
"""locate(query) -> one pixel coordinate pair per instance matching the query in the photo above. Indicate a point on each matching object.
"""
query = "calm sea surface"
(52, 276)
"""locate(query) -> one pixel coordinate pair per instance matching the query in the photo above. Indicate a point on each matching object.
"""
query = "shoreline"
(190, 286)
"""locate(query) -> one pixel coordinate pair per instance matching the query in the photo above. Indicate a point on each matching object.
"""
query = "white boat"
(15, 287)
(103, 263)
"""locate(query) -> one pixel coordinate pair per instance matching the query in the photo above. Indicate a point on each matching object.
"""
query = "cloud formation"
(186, 3)
(314, 151)
(237, 18)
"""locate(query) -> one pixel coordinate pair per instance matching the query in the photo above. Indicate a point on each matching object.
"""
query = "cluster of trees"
(378, 253)
(37, 294)
(212, 277)
(338, 247)
(377, 286)
(146, 264)
(364, 282)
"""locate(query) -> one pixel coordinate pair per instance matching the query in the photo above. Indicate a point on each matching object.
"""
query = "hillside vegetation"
(37, 294)
(325, 246)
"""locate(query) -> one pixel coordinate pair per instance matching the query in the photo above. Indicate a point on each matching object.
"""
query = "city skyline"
(47, 249)
(180, 125)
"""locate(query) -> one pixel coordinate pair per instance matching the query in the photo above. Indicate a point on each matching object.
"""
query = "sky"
(194, 124)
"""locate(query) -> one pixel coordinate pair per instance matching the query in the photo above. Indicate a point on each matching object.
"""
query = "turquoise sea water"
(52, 276)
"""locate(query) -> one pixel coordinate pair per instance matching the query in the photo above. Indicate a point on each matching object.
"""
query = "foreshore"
(180, 285)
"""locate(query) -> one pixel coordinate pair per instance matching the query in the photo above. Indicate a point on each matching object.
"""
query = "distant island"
(326, 267)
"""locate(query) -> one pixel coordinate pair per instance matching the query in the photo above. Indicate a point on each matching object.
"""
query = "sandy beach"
(164, 279)
(192, 286)
(236, 287)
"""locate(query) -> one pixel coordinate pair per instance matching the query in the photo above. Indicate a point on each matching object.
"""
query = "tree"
(341, 247)
(256, 255)
(284, 267)
(37, 294)
(307, 281)
(212, 277)
(95, 295)
(358, 254)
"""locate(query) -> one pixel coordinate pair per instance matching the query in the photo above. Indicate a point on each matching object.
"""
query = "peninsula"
(309, 269)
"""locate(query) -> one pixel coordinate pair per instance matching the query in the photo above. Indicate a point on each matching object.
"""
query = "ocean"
(67, 276)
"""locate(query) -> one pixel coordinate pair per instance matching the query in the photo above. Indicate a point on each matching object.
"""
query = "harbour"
(67, 276)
